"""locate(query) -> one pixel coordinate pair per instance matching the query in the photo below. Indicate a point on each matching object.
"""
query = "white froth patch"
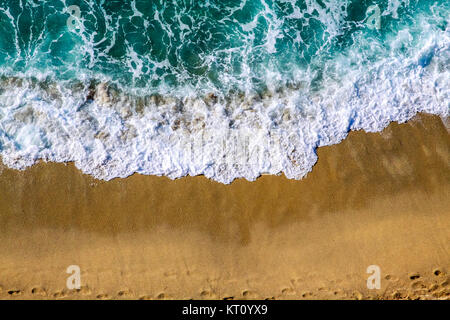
(273, 135)
(115, 135)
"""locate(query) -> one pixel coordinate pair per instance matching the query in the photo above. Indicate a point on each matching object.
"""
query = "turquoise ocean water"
(178, 87)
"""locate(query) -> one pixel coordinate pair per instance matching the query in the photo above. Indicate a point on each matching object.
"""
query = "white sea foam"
(109, 133)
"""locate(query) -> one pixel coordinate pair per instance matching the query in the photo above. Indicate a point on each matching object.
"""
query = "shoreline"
(375, 198)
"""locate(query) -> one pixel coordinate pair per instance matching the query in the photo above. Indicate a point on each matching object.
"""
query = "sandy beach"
(375, 199)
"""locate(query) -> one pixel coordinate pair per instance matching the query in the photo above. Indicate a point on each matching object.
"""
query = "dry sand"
(375, 199)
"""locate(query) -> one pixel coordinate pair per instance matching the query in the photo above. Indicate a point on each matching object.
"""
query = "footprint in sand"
(103, 296)
(60, 294)
(441, 294)
(163, 296)
(357, 295)
(396, 295)
(418, 285)
(391, 278)
(206, 294)
(421, 292)
(433, 287)
(248, 294)
(438, 272)
(124, 293)
(414, 276)
(288, 291)
(38, 291)
(338, 292)
(14, 293)
(85, 291)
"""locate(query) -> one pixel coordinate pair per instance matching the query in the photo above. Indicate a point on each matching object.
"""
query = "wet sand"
(375, 199)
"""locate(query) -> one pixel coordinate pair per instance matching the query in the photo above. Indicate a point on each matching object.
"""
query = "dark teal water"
(200, 45)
